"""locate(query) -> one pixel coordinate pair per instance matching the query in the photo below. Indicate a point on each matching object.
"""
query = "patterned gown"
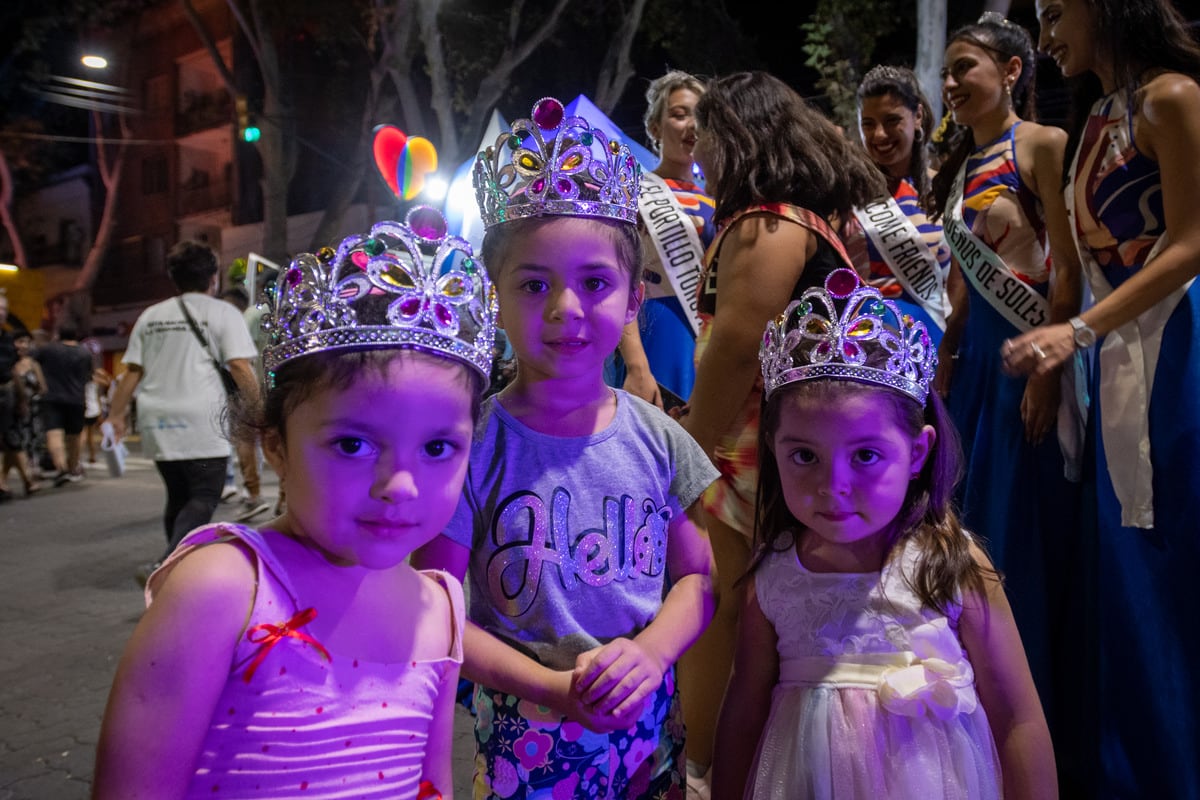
(1143, 592)
(1013, 493)
(731, 498)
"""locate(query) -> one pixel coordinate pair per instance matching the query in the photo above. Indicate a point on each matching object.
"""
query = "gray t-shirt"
(568, 535)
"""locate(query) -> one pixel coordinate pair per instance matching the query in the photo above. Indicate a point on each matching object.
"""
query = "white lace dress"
(876, 698)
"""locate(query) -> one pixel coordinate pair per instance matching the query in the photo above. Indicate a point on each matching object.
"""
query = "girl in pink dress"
(307, 658)
(877, 654)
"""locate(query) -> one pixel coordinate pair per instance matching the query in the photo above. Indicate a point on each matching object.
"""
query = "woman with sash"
(1133, 190)
(779, 171)
(998, 198)
(893, 244)
(675, 217)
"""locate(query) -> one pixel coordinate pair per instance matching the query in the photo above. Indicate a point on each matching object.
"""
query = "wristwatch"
(1084, 336)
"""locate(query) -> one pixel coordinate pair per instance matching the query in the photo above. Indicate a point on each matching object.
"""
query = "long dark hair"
(946, 567)
(1137, 36)
(770, 146)
(1002, 40)
(901, 83)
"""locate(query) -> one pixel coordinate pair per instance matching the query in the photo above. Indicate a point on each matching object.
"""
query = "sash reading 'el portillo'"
(676, 241)
(1015, 300)
(907, 254)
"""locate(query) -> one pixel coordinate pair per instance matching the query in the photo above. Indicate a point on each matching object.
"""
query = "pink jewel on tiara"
(842, 282)
(360, 258)
(548, 113)
(427, 223)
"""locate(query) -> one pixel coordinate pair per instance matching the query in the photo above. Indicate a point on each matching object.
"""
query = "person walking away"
(181, 396)
(67, 367)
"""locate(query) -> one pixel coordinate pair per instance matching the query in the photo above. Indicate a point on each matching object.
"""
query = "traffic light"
(248, 131)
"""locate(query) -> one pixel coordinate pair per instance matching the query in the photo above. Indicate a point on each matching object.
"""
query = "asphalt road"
(68, 602)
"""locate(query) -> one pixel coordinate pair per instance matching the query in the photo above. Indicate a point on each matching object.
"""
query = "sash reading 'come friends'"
(906, 253)
(676, 241)
(1015, 300)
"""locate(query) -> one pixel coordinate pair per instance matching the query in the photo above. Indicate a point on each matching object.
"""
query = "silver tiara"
(400, 285)
(556, 166)
(848, 330)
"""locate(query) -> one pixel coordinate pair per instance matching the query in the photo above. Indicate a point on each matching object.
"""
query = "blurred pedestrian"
(246, 450)
(8, 398)
(182, 395)
(67, 367)
(29, 386)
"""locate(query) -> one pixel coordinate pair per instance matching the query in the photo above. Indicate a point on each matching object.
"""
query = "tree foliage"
(839, 42)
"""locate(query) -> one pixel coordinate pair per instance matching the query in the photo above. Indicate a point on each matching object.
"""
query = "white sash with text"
(907, 254)
(1015, 300)
(676, 241)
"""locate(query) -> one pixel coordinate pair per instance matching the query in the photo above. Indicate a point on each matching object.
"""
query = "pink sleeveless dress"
(296, 720)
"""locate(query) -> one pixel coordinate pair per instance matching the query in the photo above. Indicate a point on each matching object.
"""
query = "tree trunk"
(618, 67)
(276, 143)
(275, 146)
(6, 217)
(110, 176)
(516, 50)
(931, 46)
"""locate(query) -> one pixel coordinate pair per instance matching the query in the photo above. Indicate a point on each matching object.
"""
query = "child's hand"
(616, 679)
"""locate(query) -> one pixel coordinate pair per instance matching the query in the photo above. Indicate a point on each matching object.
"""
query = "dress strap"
(454, 594)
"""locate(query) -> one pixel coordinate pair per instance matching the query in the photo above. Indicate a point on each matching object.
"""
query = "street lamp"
(92, 61)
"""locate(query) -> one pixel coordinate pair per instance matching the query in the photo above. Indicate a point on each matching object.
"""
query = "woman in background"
(779, 172)
(1133, 189)
(1003, 214)
(675, 220)
(893, 243)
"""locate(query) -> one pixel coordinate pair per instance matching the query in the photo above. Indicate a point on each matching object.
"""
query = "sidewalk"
(69, 602)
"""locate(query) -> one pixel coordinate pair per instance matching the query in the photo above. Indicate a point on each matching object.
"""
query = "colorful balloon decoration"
(403, 161)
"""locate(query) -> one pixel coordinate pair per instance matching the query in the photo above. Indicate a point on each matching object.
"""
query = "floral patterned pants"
(528, 752)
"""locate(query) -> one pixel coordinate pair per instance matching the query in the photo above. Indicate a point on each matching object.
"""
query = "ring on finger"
(1037, 350)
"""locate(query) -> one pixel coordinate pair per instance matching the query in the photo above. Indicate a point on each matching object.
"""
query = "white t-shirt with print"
(181, 397)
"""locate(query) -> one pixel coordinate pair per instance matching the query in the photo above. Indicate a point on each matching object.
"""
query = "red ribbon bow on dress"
(269, 635)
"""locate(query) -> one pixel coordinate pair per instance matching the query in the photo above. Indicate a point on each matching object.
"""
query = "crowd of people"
(830, 467)
(51, 401)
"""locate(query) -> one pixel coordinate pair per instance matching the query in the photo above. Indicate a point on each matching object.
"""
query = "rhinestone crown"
(869, 340)
(400, 285)
(553, 165)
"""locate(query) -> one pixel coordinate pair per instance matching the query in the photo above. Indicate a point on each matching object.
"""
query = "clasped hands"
(611, 684)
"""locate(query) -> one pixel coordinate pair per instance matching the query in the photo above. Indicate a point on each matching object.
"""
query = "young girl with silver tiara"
(273, 662)
(877, 654)
(588, 573)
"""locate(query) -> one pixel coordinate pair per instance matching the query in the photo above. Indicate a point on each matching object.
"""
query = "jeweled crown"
(400, 285)
(551, 165)
(850, 331)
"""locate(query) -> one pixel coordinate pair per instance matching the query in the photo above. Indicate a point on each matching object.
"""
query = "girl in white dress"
(877, 654)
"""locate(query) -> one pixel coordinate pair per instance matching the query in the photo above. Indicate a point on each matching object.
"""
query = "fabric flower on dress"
(939, 681)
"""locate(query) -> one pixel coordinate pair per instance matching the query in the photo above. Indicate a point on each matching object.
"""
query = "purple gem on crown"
(548, 113)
